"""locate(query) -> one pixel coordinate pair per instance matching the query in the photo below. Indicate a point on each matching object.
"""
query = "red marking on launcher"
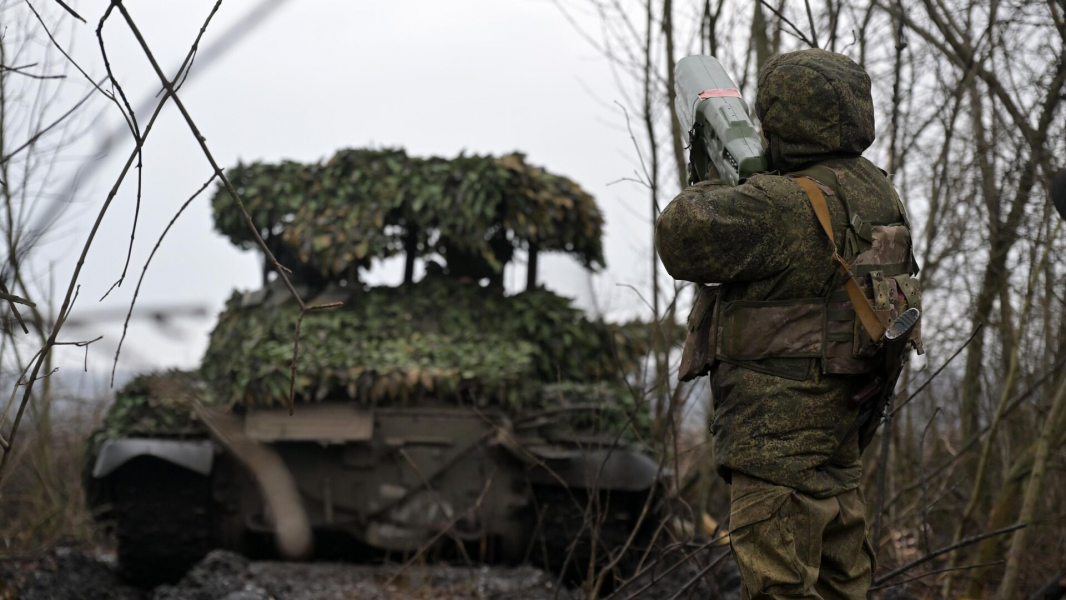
(719, 94)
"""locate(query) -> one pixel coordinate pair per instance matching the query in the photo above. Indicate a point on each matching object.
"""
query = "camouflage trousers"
(789, 544)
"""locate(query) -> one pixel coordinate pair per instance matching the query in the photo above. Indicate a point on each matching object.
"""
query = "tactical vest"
(878, 258)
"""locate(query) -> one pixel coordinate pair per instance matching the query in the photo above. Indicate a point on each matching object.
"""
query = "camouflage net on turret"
(442, 339)
(437, 339)
(363, 204)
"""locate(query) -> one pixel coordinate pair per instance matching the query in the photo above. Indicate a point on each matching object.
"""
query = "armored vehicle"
(443, 416)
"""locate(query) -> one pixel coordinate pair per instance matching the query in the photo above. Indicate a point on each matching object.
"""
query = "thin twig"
(810, 19)
(937, 372)
(80, 344)
(295, 359)
(444, 510)
(14, 309)
(296, 347)
(629, 179)
(136, 131)
(803, 38)
(210, 157)
(429, 544)
(70, 10)
(77, 66)
(936, 572)
(671, 569)
(640, 155)
(169, 85)
(696, 578)
(882, 477)
(21, 70)
(960, 544)
(64, 310)
(144, 270)
(17, 299)
(45, 130)
(971, 443)
(647, 507)
(921, 475)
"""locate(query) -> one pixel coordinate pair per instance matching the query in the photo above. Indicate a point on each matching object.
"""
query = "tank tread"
(163, 519)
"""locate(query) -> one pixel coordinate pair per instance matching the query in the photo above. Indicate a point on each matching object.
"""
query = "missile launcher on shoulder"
(720, 130)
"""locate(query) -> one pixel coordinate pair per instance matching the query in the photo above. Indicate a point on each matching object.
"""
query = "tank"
(441, 417)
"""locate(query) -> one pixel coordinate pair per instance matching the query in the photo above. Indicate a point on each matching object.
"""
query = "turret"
(454, 335)
(471, 214)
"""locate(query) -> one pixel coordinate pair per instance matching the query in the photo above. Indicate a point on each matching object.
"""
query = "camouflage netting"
(443, 339)
(336, 216)
(155, 404)
(438, 338)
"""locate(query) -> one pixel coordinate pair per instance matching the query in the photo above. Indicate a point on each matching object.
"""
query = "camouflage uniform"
(780, 384)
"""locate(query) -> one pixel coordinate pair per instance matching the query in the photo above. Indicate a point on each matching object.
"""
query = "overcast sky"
(433, 77)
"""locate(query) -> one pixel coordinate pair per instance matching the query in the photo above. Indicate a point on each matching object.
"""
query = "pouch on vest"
(701, 342)
(882, 266)
(884, 272)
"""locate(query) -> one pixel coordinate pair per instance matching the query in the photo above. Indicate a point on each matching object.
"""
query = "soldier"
(785, 349)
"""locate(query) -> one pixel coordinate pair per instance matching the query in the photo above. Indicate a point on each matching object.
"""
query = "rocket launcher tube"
(711, 110)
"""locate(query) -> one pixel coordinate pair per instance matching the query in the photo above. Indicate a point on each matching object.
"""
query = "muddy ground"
(72, 574)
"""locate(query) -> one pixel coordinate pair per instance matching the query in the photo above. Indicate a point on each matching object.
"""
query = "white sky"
(433, 77)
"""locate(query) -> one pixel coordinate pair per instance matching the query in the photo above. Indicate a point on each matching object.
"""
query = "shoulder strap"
(863, 309)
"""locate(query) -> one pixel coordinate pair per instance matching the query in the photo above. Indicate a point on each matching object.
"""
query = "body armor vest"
(827, 328)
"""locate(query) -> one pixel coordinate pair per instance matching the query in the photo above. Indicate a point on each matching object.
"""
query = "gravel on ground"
(70, 574)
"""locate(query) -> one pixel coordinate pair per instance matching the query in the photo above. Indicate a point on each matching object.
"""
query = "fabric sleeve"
(714, 233)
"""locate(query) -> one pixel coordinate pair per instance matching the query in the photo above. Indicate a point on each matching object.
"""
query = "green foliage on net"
(155, 404)
(437, 339)
(362, 204)
(599, 407)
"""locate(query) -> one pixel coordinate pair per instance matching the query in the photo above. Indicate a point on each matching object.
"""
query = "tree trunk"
(531, 267)
(410, 246)
(676, 135)
(759, 39)
(1032, 494)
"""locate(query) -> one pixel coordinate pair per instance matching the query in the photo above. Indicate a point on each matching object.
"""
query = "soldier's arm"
(714, 233)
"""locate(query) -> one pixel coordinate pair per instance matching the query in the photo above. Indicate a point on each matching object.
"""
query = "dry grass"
(43, 501)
